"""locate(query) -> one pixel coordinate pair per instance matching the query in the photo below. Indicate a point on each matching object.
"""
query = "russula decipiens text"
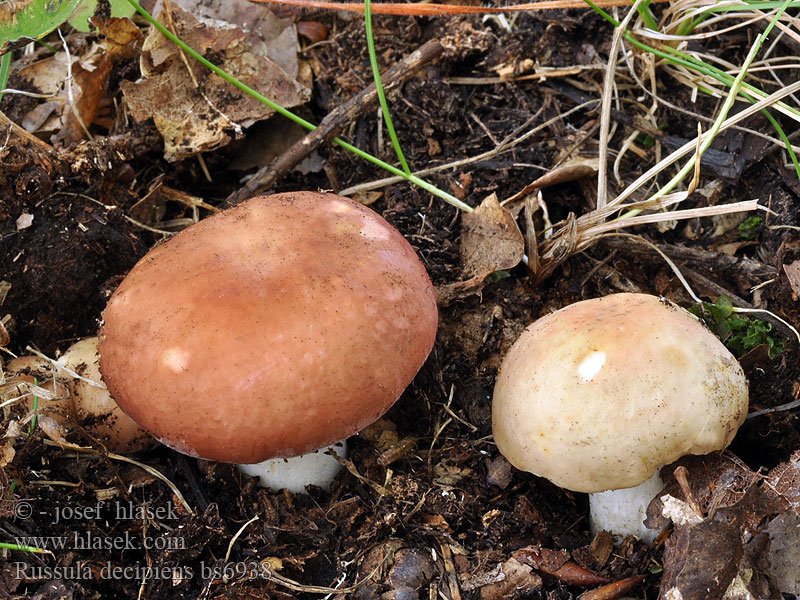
(600, 394)
(273, 329)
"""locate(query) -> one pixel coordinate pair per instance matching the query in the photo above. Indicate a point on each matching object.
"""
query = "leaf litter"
(195, 110)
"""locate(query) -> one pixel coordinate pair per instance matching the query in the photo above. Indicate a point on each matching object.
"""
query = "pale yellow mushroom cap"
(599, 394)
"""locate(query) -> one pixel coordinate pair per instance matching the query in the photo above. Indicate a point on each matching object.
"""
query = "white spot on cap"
(340, 207)
(591, 365)
(175, 359)
(374, 230)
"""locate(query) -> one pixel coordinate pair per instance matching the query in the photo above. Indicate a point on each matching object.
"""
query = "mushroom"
(600, 394)
(270, 330)
(93, 406)
(83, 399)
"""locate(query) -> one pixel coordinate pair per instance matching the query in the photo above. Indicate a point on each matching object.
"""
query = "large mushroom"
(599, 395)
(273, 329)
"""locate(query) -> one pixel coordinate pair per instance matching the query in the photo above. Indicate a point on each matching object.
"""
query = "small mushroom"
(93, 406)
(600, 394)
(273, 329)
(83, 400)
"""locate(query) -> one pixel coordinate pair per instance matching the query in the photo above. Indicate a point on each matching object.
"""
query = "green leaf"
(31, 19)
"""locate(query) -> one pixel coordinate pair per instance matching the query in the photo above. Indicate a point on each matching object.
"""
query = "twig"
(507, 144)
(768, 411)
(335, 121)
(112, 455)
(237, 535)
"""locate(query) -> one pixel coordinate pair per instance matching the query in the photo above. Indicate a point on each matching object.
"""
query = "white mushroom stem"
(316, 468)
(622, 512)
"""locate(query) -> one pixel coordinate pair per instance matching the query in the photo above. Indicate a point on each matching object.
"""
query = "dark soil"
(439, 502)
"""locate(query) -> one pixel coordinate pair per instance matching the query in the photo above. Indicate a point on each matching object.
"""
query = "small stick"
(335, 122)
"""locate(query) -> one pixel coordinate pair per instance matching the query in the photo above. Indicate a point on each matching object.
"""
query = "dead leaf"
(436, 522)
(732, 248)
(792, 271)
(367, 198)
(390, 569)
(784, 552)
(199, 111)
(498, 472)
(313, 31)
(726, 509)
(90, 85)
(267, 34)
(512, 579)
(784, 482)
(448, 293)
(612, 591)
(90, 73)
(7, 454)
(571, 170)
(601, 548)
(557, 563)
(448, 475)
(490, 239)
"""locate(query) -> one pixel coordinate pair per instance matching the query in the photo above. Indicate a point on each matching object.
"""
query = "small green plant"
(498, 276)
(739, 334)
(32, 424)
(750, 228)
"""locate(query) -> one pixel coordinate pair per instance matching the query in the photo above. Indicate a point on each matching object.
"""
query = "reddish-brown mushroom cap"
(273, 329)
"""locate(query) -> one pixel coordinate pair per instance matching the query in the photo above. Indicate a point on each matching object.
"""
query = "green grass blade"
(7, 546)
(647, 16)
(747, 91)
(5, 71)
(723, 114)
(376, 75)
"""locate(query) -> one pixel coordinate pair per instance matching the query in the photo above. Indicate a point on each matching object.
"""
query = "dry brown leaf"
(490, 239)
(196, 118)
(784, 552)
(90, 73)
(729, 506)
(615, 590)
(512, 579)
(448, 475)
(784, 481)
(448, 293)
(792, 271)
(572, 170)
(390, 569)
(498, 472)
(90, 86)
(120, 37)
(268, 35)
(557, 563)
